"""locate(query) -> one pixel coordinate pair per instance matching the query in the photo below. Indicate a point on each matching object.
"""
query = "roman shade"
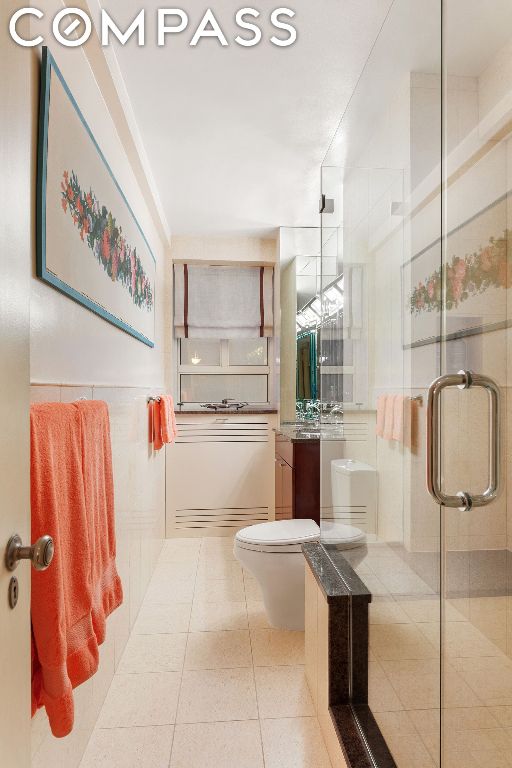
(223, 302)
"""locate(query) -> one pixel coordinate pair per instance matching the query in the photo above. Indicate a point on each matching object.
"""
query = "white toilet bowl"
(272, 552)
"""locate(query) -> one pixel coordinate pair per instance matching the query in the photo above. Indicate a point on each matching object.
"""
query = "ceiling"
(235, 136)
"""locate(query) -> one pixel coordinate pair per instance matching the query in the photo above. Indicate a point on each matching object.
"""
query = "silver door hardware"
(463, 500)
(14, 591)
(40, 553)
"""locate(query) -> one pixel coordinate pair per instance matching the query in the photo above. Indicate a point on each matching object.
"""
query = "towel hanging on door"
(72, 500)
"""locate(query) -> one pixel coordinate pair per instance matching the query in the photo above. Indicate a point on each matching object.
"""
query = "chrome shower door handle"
(463, 500)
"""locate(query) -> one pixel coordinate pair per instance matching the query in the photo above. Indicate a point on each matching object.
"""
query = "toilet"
(354, 493)
(272, 553)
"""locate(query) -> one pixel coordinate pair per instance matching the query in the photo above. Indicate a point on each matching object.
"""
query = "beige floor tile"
(217, 695)
(503, 714)
(252, 590)
(175, 571)
(219, 569)
(461, 639)
(217, 745)
(422, 610)
(273, 647)
(141, 699)
(294, 743)
(385, 611)
(490, 678)
(214, 543)
(396, 722)
(408, 750)
(257, 615)
(283, 692)
(217, 556)
(219, 591)
(180, 551)
(401, 641)
(154, 653)
(469, 718)
(148, 747)
(162, 591)
(163, 619)
(381, 694)
(209, 617)
(218, 650)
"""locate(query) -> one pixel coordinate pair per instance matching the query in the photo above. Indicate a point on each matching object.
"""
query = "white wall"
(225, 250)
(75, 353)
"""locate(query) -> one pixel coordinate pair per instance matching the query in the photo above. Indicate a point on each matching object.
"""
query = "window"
(211, 370)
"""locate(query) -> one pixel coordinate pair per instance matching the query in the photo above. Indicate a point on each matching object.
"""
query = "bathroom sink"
(314, 430)
(225, 405)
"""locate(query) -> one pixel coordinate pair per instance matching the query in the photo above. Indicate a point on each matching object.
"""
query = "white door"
(16, 243)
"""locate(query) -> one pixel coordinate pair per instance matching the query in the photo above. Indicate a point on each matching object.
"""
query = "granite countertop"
(294, 435)
(310, 431)
(226, 411)
(333, 572)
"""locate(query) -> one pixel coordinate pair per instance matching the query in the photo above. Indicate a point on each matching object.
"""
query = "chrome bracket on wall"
(462, 500)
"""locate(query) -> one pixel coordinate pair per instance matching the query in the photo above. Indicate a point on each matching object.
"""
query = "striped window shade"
(223, 302)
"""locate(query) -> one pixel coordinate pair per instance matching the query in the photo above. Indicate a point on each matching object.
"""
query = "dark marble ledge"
(368, 751)
(334, 575)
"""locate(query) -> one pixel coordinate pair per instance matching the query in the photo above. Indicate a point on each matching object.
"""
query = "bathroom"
(307, 577)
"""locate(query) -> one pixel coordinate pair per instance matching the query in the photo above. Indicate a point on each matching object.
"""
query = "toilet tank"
(354, 493)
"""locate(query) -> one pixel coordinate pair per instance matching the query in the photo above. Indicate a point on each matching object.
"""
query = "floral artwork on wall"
(465, 277)
(105, 238)
(467, 295)
(90, 246)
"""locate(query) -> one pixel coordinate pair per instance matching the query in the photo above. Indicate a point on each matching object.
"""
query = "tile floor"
(404, 674)
(204, 680)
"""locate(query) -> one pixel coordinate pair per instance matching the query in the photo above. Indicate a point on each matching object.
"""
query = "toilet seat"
(280, 537)
(344, 536)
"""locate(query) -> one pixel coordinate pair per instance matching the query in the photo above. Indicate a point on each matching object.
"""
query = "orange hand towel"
(107, 592)
(381, 413)
(167, 419)
(389, 417)
(65, 647)
(157, 425)
(398, 418)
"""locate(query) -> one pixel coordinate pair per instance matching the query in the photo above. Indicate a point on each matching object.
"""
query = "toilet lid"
(280, 532)
(339, 533)
(348, 466)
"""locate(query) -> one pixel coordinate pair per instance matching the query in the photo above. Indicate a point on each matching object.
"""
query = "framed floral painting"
(471, 286)
(90, 245)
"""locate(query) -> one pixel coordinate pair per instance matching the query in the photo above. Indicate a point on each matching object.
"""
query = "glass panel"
(477, 638)
(202, 388)
(378, 355)
(248, 352)
(200, 352)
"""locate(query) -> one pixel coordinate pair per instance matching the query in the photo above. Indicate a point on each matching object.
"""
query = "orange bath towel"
(389, 415)
(399, 416)
(167, 419)
(107, 592)
(65, 648)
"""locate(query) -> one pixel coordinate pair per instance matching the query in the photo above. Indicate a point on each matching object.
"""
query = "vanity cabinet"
(297, 478)
(219, 473)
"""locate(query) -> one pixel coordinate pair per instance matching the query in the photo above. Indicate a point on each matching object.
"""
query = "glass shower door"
(477, 310)
(378, 355)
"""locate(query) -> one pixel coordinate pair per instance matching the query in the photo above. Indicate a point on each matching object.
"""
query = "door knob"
(40, 553)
